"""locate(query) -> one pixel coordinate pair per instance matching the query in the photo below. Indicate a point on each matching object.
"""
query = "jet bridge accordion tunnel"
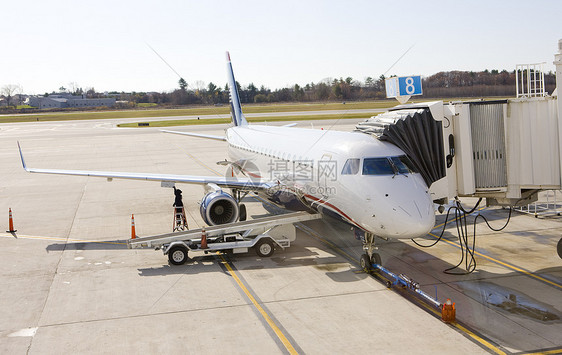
(505, 151)
(417, 133)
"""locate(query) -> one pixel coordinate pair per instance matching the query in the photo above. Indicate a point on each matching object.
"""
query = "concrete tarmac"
(70, 285)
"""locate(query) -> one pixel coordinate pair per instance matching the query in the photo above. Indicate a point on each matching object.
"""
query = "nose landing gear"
(371, 263)
(370, 257)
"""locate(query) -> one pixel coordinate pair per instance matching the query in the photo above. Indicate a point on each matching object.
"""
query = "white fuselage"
(309, 162)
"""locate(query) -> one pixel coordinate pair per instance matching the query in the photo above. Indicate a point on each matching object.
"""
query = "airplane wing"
(208, 136)
(239, 183)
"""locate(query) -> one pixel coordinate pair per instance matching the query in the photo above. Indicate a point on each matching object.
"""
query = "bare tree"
(74, 88)
(200, 85)
(19, 92)
(9, 90)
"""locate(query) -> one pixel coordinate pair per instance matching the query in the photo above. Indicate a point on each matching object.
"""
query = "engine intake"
(219, 207)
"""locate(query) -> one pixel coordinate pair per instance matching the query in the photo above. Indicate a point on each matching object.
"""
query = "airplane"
(367, 183)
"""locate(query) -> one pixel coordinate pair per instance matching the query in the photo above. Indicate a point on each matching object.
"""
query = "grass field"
(147, 104)
(254, 119)
(223, 112)
(198, 111)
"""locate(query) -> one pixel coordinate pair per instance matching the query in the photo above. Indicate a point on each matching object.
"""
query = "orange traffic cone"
(133, 233)
(204, 239)
(11, 223)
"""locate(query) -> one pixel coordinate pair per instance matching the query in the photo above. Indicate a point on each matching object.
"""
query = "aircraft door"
(326, 173)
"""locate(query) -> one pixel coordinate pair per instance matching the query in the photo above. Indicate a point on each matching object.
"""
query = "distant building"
(63, 100)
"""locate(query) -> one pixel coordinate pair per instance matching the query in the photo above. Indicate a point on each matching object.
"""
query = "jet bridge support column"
(558, 64)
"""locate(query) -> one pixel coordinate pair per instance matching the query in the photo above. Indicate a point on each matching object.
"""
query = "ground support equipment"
(447, 309)
(263, 234)
(180, 219)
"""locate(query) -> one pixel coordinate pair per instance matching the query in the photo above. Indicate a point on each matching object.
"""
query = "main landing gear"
(370, 257)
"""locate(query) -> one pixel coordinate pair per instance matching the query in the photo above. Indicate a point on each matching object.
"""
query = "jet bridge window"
(377, 166)
(351, 167)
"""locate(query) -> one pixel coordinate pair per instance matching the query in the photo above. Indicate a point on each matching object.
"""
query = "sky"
(105, 44)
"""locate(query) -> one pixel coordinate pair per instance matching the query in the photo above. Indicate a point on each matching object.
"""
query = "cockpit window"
(406, 163)
(377, 166)
(351, 167)
(399, 166)
(388, 166)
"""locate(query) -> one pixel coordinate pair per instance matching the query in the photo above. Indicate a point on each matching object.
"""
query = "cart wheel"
(243, 214)
(265, 248)
(177, 255)
(365, 263)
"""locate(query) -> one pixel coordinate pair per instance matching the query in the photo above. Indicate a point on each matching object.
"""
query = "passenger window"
(377, 166)
(351, 167)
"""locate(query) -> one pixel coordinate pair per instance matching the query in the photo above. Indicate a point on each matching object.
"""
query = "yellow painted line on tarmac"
(471, 334)
(260, 309)
(479, 339)
(546, 352)
(509, 266)
(58, 239)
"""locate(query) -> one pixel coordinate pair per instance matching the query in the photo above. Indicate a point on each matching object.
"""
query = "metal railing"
(546, 205)
(530, 80)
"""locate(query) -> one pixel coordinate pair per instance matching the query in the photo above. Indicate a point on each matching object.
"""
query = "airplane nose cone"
(418, 219)
(408, 214)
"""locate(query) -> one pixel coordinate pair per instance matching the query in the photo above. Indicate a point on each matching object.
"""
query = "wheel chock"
(448, 312)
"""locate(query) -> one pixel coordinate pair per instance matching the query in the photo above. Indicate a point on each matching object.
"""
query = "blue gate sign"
(410, 85)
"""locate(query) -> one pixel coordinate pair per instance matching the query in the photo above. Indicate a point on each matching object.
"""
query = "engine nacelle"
(219, 207)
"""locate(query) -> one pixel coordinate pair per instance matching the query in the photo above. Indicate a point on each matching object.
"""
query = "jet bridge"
(505, 151)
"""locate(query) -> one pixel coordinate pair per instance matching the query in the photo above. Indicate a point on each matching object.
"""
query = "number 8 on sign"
(410, 88)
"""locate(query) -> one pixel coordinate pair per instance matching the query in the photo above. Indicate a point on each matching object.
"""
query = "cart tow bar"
(448, 312)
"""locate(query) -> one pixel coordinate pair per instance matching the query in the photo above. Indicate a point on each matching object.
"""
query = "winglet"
(235, 107)
(22, 160)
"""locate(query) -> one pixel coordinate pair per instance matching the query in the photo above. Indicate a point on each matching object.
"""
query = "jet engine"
(219, 207)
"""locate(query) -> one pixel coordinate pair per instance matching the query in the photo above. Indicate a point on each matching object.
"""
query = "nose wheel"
(365, 263)
(370, 257)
